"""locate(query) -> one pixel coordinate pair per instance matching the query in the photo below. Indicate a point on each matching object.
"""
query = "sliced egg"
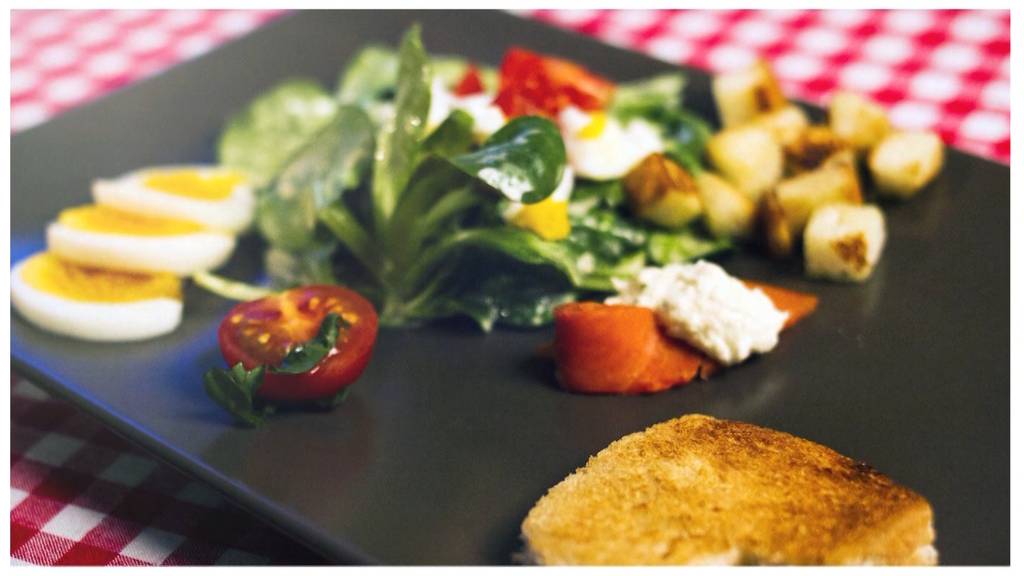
(487, 117)
(92, 303)
(218, 198)
(548, 218)
(602, 148)
(97, 235)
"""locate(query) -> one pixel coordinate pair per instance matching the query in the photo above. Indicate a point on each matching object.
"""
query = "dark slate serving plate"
(451, 435)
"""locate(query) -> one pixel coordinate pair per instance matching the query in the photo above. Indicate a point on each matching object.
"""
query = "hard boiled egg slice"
(548, 218)
(215, 197)
(97, 235)
(92, 303)
(602, 148)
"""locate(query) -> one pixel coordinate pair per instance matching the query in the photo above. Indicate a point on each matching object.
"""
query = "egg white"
(611, 154)
(96, 321)
(487, 117)
(180, 254)
(130, 194)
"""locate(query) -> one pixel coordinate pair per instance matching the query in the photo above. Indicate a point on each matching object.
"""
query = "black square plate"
(451, 435)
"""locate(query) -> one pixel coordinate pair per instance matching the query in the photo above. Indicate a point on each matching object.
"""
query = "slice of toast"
(697, 490)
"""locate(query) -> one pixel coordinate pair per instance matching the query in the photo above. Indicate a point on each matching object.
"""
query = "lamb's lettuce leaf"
(261, 138)
(641, 97)
(398, 143)
(370, 76)
(452, 137)
(333, 160)
(524, 160)
(659, 100)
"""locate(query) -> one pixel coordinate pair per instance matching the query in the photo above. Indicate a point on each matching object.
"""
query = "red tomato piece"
(471, 83)
(261, 332)
(532, 84)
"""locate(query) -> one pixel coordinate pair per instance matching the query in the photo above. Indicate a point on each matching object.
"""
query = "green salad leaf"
(360, 193)
(370, 76)
(260, 138)
(642, 97)
(453, 137)
(235, 391)
(303, 357)
(524, 160)
(659, 100)
(683, 246)
(399, 139)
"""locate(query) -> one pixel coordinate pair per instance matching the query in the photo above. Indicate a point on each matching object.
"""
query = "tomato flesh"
(262, 332)
(532, 84)
(471, 83)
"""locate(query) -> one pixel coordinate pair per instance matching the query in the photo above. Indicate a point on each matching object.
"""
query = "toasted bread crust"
(701, 490)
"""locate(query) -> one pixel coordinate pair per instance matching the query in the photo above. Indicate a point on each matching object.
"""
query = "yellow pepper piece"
(548, 219)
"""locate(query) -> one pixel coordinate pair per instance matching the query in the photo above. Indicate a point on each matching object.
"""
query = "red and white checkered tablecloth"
(81, 495)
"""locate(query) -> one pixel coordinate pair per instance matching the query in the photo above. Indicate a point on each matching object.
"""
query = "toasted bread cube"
(858, 121)
(812, 148)
(662, 192)
(844, 242)
(786, 124)
(744, 94)
(904, 162)
(728, 212)
(749, 157)
(774, 232)
(800, 195)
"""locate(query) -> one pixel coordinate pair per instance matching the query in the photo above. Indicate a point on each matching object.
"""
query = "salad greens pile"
(353, 190)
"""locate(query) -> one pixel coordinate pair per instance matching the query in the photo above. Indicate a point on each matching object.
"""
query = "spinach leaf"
(260, 138)
(330, 163)
(682, 246)
(369, 76)
(399, 139)
(524, 160)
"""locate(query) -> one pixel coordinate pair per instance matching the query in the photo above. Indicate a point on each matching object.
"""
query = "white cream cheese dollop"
(705, 306)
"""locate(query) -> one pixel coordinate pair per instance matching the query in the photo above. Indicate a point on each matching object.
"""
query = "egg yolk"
(48, 273)
(107, 220)
(548, 218)
(192, 184)
(595, 127)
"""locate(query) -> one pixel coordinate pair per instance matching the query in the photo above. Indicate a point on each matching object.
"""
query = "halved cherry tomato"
(262, 332)
(532, 84)
(471, 83)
